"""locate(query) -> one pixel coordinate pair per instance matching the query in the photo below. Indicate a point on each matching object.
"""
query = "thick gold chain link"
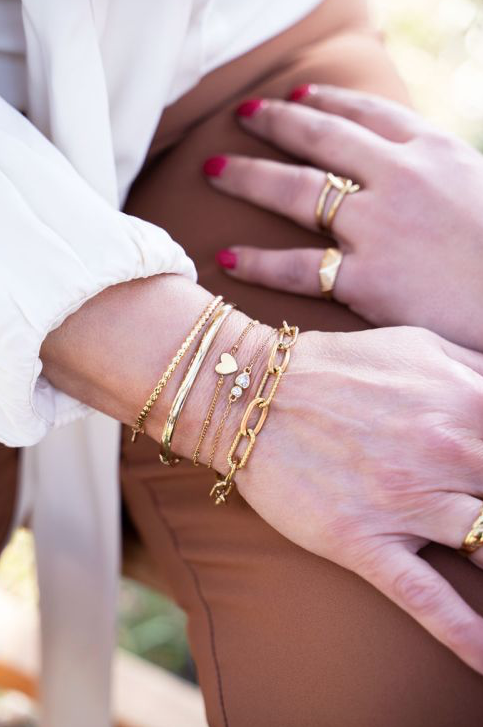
(286, 340)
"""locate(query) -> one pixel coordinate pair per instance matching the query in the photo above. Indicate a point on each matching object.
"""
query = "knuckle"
(294, 195)
(277, 116)
(459, 632)
(319, 130)
(405, 170)
(248, 264)
(362, 108)
(421, 594)
(293, 272)
(439, 139)
(396, 489)
(444, 442)
(240, 179)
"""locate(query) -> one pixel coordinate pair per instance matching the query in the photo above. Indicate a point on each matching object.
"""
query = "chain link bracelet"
(287, 338)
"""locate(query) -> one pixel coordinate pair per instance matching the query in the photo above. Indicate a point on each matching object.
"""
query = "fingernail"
(227, 259)
(301, 91)
(214, 166)
(249, 108)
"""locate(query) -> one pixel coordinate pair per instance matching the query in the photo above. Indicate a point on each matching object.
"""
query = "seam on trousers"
(197, 584)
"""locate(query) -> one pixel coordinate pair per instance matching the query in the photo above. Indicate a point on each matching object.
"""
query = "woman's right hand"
(373, 449)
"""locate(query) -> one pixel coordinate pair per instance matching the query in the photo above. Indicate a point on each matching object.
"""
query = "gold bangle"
(138, 427)
(227, 365)
(165, 454)
(224, 485)
(242, 382)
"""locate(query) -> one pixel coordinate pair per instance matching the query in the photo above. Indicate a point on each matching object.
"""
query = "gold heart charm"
(227, 365)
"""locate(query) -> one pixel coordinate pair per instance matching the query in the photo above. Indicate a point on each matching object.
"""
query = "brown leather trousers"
(281, 638)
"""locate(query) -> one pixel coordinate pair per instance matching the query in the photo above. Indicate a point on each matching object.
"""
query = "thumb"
(293, 271)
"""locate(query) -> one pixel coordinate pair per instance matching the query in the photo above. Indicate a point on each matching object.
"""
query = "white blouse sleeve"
(61, 243)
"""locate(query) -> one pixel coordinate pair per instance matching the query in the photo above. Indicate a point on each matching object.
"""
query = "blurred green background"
(438, 47)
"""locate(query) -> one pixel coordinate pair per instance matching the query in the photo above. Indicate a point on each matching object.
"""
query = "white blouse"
(92, 77)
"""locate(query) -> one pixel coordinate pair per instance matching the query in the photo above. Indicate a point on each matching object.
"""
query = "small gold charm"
(227, 365)
(218, 491)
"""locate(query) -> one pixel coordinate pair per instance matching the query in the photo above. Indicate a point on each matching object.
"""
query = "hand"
(373, 448)
(412, 237)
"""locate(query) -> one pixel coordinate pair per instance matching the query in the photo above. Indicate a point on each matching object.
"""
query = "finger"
(293, 271)
(287, 189)
(424, 594)
(389, 119)
(448, 519)
(329, 141)
(471, 359)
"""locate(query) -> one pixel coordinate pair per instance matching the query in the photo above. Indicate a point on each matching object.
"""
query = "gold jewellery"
(343, 186)
(329, 269)
(165, 454)
(138, 427)
(287, 338)
(242, 382)
(227, 365)
(474, 539)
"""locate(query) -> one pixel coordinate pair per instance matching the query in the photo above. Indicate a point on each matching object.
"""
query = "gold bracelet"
(138, 427)
(241, 383)
(165, 454)
(224, 485)
(227, 365)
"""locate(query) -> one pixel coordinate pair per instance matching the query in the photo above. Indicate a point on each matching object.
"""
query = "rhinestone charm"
(243, 380)
(237, 391)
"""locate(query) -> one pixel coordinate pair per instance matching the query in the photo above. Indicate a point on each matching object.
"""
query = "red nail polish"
(214, 166)
(249, 108)
(226, 258)
(301, 91)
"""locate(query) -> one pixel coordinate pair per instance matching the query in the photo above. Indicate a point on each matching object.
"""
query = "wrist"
(197, 404)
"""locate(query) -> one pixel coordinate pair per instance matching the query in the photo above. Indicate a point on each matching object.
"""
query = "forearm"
(111, 352)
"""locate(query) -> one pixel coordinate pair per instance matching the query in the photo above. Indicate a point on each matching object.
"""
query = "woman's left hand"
(412, 238)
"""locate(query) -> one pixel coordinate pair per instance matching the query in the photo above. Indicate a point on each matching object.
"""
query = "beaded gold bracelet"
(138, 427)
(165, 454)
(227, 365)
(224, 485)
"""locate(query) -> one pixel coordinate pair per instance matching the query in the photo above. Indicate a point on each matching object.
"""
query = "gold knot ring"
(474, 539)
(343, 186)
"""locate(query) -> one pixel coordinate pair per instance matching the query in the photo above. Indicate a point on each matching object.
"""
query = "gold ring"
(329, 268)
(474, 539)
(343, 186)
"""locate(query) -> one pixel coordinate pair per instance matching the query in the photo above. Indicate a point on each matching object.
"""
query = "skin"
(412, 237)
(375, 434)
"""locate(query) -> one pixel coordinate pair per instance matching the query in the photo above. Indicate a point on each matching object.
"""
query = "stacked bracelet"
(241, 383)
(138, 427)
(286, 339)
(224, 485)
(165, 454)
(227, 365)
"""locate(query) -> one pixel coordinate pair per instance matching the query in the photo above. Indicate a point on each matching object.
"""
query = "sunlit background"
(438, 47)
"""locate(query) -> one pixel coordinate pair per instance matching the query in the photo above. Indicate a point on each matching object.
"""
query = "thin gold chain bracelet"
(224, 485)
(242, 382)
(227, 365)
(138, 427)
